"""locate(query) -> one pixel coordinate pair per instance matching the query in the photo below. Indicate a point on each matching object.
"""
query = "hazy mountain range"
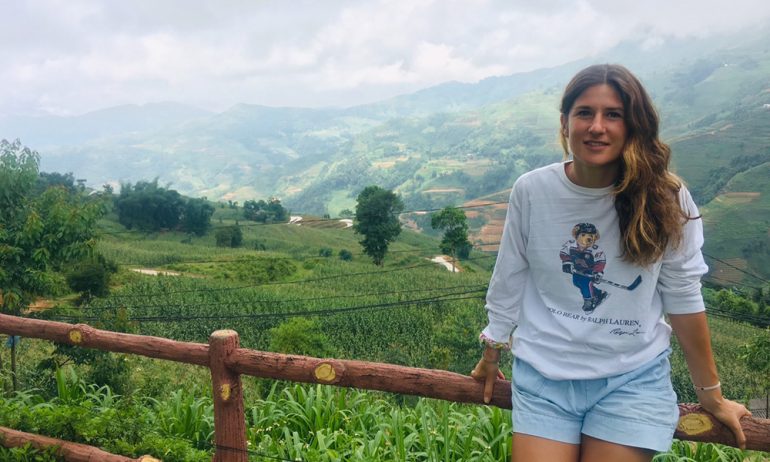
(443, 145)
(317, 159)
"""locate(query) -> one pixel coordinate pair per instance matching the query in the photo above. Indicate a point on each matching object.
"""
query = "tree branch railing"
(227, 362)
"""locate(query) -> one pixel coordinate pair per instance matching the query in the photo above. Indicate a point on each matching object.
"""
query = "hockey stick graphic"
(629, 287)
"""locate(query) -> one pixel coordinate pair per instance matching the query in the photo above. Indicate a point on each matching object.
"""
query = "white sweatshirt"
(559, 291)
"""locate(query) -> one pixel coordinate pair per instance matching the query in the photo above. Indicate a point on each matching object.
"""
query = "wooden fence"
(227, 362)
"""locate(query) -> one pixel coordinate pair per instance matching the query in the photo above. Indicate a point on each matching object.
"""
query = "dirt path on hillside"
(41, 304)
(446, 262)
(152, 272)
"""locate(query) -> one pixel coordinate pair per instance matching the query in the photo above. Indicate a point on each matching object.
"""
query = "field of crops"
(283, 291)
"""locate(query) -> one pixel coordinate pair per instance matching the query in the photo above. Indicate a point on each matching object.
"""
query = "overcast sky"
(73, 56)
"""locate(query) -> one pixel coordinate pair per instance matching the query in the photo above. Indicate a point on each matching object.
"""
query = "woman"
(594, 252)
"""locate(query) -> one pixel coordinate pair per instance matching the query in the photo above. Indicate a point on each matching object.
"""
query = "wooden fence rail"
(228, 362)
(72, 452)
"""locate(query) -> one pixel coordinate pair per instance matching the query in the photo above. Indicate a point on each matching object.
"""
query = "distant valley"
(445, 145)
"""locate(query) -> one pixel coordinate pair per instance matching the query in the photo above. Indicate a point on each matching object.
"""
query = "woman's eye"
(582, 113)
(615, 115)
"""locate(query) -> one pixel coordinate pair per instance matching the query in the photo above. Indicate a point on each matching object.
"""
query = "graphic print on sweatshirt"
(582, 258)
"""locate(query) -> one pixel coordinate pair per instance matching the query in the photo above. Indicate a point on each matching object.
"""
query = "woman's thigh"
(528, 448)
(596, 450)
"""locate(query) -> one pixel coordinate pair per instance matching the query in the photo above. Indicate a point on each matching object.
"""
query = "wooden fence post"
(229, 416)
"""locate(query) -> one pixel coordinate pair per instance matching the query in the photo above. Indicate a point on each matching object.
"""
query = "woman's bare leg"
(596, 450)
(528, 448)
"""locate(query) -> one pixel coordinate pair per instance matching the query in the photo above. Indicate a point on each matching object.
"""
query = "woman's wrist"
(491, 355)
(716, 386)
(710, 398)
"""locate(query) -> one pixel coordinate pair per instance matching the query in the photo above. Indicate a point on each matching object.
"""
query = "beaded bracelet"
(486, 341)
(709, 388)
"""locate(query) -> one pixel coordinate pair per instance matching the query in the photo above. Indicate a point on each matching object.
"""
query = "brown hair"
(646, 192)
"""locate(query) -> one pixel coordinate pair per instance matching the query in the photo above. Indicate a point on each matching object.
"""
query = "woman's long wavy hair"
(646, 192)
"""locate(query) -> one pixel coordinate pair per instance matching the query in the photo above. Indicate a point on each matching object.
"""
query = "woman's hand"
(487, 369)
(726, 411)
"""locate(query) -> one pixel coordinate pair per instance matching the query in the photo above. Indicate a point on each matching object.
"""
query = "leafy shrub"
(300, 336)
(346, 255)
(230, 236)
(325, 252)
(91, 277)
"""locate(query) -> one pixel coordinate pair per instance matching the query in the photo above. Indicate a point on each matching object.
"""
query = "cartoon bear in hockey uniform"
(585, 261)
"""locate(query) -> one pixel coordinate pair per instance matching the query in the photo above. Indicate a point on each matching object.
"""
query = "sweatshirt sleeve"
(679, 281)
(506, 287)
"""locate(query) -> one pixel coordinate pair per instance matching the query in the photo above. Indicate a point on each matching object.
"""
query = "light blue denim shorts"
(638, 408)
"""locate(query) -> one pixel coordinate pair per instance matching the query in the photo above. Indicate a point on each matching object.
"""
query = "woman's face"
(595, 128)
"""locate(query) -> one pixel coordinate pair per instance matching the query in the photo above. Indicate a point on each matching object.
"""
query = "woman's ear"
(564, 130)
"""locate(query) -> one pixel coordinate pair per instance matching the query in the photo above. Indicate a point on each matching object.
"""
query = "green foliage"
(187, 417)
(28, 453)
(728, 300)
(327, 424)
(455, 240)
(54, 180)
(196, 216)
(88, 415)
(91, 276)
(314, 423)
(300, 336)
(345, 255)
(38, 235)
(300, 421)
(259, 269)
(377, 220)
(18, 173)
(229, 236)
(265, 212)
(325, 252)
(686, 451)
(149, 207)
(456, 344)
(756, 354)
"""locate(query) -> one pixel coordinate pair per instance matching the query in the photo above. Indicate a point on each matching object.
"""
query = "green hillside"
(446, 145)
(281, 294)
(723, 144)
(737, 226)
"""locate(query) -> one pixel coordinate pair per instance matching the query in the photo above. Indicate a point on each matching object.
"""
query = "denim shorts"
(638, 408)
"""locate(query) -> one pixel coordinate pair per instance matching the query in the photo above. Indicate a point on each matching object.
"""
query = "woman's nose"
(597, 125)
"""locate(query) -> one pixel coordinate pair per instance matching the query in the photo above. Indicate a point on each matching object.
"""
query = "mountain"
(52, 132)
(443, 145)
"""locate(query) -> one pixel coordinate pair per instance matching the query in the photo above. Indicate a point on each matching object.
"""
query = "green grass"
(316, 423)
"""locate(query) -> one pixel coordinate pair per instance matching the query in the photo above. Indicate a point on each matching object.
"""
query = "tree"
(229, 236)
(196, 216)
(377, 212)
(47, 180)
(148, 206)
(455, 225)
(90, 277)
(266, 212)
(38, 234)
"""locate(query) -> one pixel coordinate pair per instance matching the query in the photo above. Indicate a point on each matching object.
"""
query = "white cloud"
(79, 55)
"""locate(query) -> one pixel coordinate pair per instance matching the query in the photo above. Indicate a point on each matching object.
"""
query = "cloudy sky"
(73, 56)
